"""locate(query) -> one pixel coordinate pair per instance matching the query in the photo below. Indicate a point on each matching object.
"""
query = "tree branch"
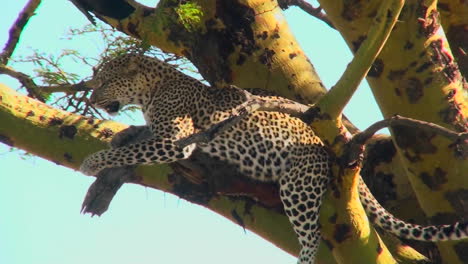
(356, 145)
(16, 30)
(334, 101)
(308, 8)
(67, 139)
(25, 80)
(37, 91)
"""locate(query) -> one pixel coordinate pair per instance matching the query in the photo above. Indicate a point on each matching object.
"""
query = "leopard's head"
(121, 81)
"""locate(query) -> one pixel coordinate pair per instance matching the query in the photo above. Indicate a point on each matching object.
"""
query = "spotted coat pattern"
(266, 146)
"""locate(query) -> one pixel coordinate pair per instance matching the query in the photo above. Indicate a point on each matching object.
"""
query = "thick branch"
(67, 139)
(339, 95)
(16, 30)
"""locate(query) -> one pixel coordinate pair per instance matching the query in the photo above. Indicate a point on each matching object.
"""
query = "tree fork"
(414, 70)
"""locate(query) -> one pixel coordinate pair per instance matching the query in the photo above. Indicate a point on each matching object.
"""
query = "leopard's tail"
(381, 217)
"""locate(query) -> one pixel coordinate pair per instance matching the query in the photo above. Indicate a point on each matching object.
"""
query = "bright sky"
(40, 220)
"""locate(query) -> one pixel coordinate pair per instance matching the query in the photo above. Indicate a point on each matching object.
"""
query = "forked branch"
(334, 101)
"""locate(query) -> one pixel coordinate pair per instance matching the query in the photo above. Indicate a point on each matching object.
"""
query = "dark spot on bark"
(452, 115)
(6, 140)
(147, 12)
(451, 94)
(42, 118)
(379, 248)
(67, 131)
(90, 121)
(290, 87)
(30, 113)
(381, 151)
(376, 68)
(357, 43)
(266, 57)
(68, 157)
(328, 243)
(397, 91)
(396, 74)
(133, 29)
(382, 186)
(351, 9)
(241, 59)
(55, 121)
(435, 181)
(118, 9)
(460, 249)
(248, 207)
(314, 113)
(292, 55)
(428, 81)
(333, 218)
(263, 35)
(459, 201)
(275, 35)
(182, 187)
(412, 64)
(430, 24)
(216, 45)
(460, 149)
(413, 88)
(389, 14)
(341, 232)
(106, 133)
(442, 57)
(408, 45)
(237, 218)
(423, 67)
(416, 140)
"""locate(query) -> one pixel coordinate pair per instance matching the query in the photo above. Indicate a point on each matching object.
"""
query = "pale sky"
(40, 220)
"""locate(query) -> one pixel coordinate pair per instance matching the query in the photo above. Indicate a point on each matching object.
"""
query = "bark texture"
(248, 43)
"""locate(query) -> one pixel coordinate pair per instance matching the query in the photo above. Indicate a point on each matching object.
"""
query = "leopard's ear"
(133, 65)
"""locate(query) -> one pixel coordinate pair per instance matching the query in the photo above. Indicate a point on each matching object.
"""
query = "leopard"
(265, 146)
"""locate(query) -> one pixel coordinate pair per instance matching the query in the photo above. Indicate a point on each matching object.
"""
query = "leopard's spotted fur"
(266, 146)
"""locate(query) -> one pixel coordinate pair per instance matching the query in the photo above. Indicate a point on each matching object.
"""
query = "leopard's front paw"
(91, 166)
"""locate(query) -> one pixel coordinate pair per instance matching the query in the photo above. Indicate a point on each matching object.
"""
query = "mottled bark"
(416, 76)
(248, 43)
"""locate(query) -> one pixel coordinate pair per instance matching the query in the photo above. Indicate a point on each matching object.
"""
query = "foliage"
(190, 15)
(49, 70)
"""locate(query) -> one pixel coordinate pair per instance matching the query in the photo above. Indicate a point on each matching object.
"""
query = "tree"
(246, 43)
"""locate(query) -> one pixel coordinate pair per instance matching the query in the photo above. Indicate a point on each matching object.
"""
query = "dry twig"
(308, 8)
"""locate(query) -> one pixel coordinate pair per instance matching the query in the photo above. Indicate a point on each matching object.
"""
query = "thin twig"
(82, 86)
(308, 8)
(25, 80)
(357, 143)
(16, 30)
